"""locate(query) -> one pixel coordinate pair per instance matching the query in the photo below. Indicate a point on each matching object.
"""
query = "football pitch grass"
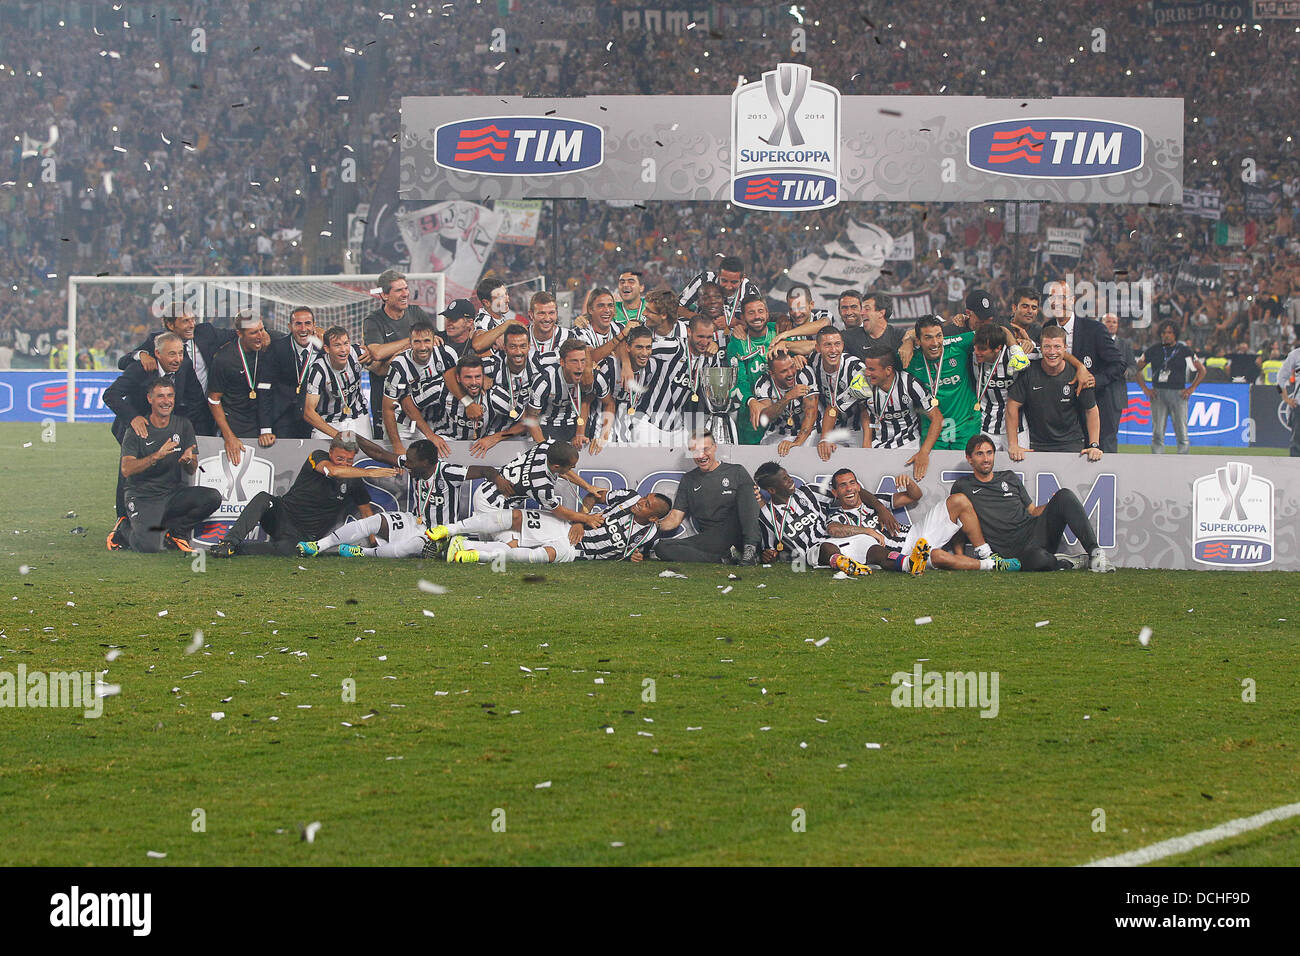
(498, 708)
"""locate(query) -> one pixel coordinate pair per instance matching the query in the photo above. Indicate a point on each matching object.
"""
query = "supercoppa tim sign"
(1055, 148)
(519, 146)
(785, 141)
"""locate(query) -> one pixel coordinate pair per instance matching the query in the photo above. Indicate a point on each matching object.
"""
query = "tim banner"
(33, 396)
(1191, 512)
(1217, 415)
(787, 140)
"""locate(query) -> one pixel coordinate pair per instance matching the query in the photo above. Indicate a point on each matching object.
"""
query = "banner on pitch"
(1190, 512)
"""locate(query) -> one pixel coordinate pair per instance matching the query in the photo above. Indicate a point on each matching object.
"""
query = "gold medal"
(253, 394)
(934, 403)
(780, 546)
(790, 421)
(581, 422)
(979, 407)
(631, 411)
(695, 396)
(347, 411)
(514, 413)
(299, 390)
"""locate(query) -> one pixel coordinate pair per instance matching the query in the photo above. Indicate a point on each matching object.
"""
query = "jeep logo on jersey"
(519, 146)
(785, 141)
(1055, 148)
(1232, 518)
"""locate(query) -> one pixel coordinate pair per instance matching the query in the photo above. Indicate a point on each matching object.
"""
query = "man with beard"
(783, 406)
(830, 374)
(386, 333)
(559, 402)
(544, 337)
(412, 386)
(800, 310)
(856, 511)
(699, 413)
(750, 339)
(877, 310)
(512, 382)
(237, 384)
(452, 418)
(794, 529)
(894, 406)
(642, 405)
(851, 328)
(1016, 527)
(721, 500)
(597, 326)
(1024, 313)
(730, 275)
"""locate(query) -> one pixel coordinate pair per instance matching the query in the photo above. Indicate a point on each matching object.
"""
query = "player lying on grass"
(627, 531)
(431, 491)
(794, 524)
(856, 511)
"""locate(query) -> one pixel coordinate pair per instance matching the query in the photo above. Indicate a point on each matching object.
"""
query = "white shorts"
(854, 547)
(541, 530)
(359, 425)
(404, 526)
(935, 526)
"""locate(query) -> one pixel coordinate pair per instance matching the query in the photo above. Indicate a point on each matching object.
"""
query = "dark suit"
(1094, 347)
(128, 398)
(208, 339)
(286, 399)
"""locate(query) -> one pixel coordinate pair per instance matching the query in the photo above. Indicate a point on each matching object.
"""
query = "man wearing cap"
(239, 385)
(386, 333)
(162, 509)
(458, 330)
(328, 489)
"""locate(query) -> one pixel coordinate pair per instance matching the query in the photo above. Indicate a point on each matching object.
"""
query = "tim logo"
(519, 146)
(785, 141)
(1232, 518)
(50, 398)
(1055, 148)
(1208, 413)
(237, 484)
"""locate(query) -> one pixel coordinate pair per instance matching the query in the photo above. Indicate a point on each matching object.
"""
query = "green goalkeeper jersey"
(951, 381)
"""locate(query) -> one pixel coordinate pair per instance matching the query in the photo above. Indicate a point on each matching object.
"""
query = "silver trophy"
(718, 384)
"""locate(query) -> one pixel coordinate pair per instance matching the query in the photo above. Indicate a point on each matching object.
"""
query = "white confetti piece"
(345, 723)
(923, 620)
(155, 855)
(609, 730)
(694, 728)
(71, 604)
(1087, 716)
(840, 766)
(727, 589)
(1144, 636)
(112, 655)
(428, 587)
(27, 444)
(304, 706)
(616, 843)
(821, 642)
(428, 613)
(221, 614)
(1042, 623)
(273, 718)
(24, 569)
(634, 615)
(544, 785)
(839, 576)
(644, 733)
(803, 745)
(107, 690)
(162, 613)
(195, 643)
(310, 830)
(218, 715)
(382, 657)
(670, 574)
(764, 728)
(599, 680)
(821, 720)
(873, 746)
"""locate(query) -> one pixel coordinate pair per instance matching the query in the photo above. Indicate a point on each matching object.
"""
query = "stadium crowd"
(159, 146)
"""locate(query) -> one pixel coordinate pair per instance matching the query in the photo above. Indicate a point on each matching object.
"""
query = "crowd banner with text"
(1193, 511)
(784, 140)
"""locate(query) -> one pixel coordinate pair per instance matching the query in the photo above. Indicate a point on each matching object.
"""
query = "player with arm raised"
(782, 404)
(831, 373)
(894, 405)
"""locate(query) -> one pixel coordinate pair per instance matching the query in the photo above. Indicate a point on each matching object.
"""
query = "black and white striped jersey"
(527, 472)
(657, 391)
(485, 321)
(866, 517)
(896, 413)
(697, 400)
(559, 400)
(691, 294)
(340, 394)
(790, 421)
(421, 381)
(680, 332)
(992, 382)
(832, 388)
(434, 499)
(796, 525)
(596, 339)
(620, 535)
(447, 417)
(546, 354)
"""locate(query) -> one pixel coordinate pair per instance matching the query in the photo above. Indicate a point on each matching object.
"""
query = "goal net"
(110, 314)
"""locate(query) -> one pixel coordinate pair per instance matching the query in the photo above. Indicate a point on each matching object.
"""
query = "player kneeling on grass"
(1016, 526)
(400, 534)
(857, 511)
(325, 492)
(794, 527)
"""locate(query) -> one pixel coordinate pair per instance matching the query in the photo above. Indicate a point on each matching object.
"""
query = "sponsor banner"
(910, 306)
(904, 249)
(1217, 415)
(1198, 277)
(33, 396)
(1176, 12)
(786, 140)
(454, 238)
(1205, 203)
(1272, 417)
(519, 219)
(1064, 242)
(1191, 512)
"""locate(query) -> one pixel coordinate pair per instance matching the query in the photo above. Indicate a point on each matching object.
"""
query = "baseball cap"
(459, 309)
(981, 303)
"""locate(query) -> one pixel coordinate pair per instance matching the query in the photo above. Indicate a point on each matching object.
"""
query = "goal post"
(121, 301)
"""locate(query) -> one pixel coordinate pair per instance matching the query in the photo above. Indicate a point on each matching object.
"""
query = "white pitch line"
(1190, 841)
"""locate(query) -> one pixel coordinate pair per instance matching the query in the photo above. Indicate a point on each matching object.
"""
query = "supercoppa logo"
(1232, 518)
(519, 146)
(785, 141)
(1055, 148)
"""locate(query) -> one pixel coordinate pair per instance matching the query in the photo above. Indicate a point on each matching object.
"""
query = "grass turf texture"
(1169, 746)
